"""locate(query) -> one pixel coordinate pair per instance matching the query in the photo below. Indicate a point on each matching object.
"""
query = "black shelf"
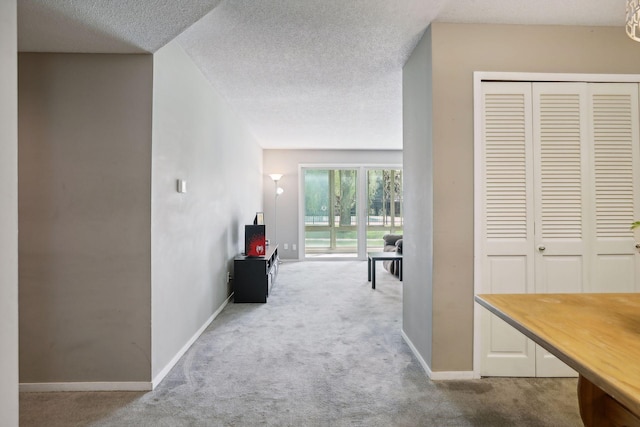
(253, 277)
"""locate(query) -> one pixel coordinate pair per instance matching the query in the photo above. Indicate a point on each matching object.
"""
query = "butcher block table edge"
(561, 323)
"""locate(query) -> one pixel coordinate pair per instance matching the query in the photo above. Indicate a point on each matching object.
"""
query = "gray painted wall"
(418, 199)
(8, 214)
(196, 234)
(287, 162)
(84, 216)
(454, 58)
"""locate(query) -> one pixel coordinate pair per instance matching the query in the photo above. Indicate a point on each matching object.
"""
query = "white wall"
(418, 199)
(287, 163)
(195, 235)
(118, 271)
(8, 215)
(85, 203)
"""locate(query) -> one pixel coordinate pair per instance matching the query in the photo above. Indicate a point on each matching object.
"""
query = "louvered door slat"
(613, 164)
(505, 166)
(560, 166)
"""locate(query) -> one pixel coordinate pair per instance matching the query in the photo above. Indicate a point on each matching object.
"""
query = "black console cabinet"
(254, 276)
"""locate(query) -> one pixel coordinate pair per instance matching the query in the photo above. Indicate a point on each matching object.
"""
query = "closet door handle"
(541, 248)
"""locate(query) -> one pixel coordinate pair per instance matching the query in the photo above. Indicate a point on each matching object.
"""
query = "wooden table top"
(598, 335)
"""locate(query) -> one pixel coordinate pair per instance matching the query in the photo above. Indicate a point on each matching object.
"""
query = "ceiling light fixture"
(633, 19)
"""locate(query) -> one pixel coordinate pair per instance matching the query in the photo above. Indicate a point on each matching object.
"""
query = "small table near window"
(372, 257)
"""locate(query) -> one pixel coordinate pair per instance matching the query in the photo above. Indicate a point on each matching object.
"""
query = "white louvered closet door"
(507, 222)
(614, 258)
(560, 173)
(561, 147)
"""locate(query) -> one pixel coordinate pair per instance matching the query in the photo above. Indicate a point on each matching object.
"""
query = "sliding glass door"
(384, 206)
(331, 223)
(342, 205)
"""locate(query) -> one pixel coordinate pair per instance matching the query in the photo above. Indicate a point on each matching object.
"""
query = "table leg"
(400, 269)
(373, 274)
(597, 408)
(368, 269)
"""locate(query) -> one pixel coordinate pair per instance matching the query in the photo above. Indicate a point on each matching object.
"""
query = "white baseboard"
(163, 373)
(440, 375)
(415, 352)
(123, 385)
(86, 386)
(452, 375)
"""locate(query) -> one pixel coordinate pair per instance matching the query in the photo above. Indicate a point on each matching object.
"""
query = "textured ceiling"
(300, 73)
(104, 26)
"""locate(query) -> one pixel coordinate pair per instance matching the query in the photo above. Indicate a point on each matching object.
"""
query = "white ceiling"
(300, 73)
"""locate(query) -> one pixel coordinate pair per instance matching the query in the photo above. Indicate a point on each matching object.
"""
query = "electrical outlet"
(293, 247)
(286, 246)
(228, 276)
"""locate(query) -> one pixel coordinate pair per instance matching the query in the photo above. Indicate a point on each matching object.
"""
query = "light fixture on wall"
(279, 190)
(633, 19)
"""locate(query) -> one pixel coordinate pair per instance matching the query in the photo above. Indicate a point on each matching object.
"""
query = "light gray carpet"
(325, 350)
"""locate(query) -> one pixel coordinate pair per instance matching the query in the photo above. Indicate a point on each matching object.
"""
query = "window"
(333, 219)
(384, 206)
